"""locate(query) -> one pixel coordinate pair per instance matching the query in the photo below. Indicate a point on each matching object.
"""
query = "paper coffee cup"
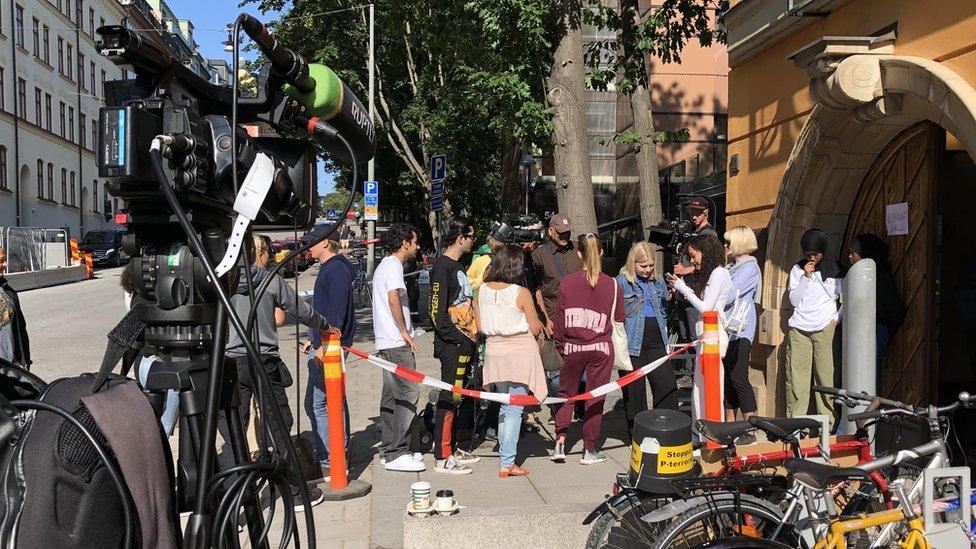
(420, 492)
(444, 501)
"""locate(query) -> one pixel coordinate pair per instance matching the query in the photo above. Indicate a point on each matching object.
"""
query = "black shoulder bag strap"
(123, 344)
(558, 264)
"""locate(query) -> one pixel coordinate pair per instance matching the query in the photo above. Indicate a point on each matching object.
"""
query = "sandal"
(513, 471)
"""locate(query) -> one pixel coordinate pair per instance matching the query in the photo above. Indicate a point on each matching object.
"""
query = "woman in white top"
(711, 291)
(810, 341)
(506, 316)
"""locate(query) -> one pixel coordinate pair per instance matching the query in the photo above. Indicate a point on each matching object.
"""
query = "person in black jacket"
(455, 337)
(890, 306)
(19, 341)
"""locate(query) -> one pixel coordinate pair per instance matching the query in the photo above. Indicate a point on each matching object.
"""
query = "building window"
(95, 195)
(94, 126)
(101, 22)
(19, 25)
(79, 17)
(91, 22)
(103, 81)
(40, 179)
(67, 8)
(95, 91)
(81, 70)
(22, 98)
(37, 37)
(61, 55)
(69, 62)
(3, 92)
(47, 111)
(73, 189)
(37, 107)
(71, 124)
(82, 127)
(47, 45)
(64, 186)
(63, 125)
(50, 180)
(3, 167)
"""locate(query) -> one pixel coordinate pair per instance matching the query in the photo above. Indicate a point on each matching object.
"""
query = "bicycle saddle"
(777, 428)
(723, 433)
(820, 476)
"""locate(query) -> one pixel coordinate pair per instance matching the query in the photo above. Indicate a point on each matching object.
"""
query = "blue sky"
(210, 18)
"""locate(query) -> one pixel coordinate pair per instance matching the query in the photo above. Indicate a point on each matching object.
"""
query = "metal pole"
(528, 179)
(859, 337)
(17, 115)
(370, 169)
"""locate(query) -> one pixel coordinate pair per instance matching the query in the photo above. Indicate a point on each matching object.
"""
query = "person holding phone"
(810, 353)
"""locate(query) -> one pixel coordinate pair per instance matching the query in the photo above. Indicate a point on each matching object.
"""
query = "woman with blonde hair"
(645, 303)
(582, 331)
(740, 243)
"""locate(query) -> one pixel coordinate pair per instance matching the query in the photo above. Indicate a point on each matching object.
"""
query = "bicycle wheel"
(630, 532)
(725, 518)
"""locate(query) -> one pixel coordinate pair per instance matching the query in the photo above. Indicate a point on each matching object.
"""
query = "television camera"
(195, 181)
(518, 230)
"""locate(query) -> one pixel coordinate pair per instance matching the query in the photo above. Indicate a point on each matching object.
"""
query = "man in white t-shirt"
(392, 333)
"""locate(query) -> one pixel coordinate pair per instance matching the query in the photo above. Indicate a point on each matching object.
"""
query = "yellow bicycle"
(914, 539)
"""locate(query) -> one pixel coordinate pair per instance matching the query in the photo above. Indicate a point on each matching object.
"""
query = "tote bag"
(621, 355)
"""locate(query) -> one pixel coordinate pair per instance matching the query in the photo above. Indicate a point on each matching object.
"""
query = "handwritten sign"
(896, 218)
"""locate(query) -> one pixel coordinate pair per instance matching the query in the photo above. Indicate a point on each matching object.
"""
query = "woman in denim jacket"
(645, 301)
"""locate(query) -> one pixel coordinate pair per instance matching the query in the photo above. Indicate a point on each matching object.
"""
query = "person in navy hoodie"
(332, 298)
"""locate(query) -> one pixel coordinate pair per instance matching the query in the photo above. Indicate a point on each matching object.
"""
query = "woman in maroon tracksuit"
(582, 331)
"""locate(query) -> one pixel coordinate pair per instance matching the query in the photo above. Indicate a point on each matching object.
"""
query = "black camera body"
(517, 230)
(167, 98)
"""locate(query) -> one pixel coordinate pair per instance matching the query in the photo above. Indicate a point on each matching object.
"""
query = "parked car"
(105, 247)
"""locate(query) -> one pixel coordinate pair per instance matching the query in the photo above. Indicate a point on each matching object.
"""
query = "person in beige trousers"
(810, 354)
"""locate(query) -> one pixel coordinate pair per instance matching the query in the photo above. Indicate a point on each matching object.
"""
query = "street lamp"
(229, 43)
(527, 161)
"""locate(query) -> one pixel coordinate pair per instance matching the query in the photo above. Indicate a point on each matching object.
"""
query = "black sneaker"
(315, 497)
(745, 438)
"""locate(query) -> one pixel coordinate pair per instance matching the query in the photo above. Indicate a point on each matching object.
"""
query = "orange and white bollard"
(711, 371)
(329, 355)
(88, 265)
(75, 254)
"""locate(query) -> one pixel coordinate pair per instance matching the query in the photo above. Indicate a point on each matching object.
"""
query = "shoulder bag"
(621, 355)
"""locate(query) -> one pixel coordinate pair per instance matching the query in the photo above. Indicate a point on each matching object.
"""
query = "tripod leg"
(238, 445)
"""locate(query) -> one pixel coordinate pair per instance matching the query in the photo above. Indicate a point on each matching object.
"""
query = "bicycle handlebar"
(862, 396)
(963, 400)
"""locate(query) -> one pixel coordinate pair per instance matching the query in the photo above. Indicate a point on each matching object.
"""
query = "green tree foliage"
(452, 78)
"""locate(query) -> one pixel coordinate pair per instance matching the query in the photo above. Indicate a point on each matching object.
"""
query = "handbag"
(737, 317)
(552, 361)
(621, 355)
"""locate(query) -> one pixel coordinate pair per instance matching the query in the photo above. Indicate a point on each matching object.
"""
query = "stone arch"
(864, 101)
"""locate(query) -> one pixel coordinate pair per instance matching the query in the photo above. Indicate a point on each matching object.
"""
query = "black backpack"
(55, 490)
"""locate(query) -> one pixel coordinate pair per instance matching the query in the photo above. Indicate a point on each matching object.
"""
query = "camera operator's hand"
(809, 268)
(331, 332)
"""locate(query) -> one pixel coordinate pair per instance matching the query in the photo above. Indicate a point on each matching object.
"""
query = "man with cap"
(553, 261)
(698, 210)
(332, 298)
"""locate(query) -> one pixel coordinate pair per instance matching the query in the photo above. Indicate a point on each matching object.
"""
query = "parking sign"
(438, 167)
(371, 199)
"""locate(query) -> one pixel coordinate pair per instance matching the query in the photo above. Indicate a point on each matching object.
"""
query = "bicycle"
(810, 518)
(617, 521)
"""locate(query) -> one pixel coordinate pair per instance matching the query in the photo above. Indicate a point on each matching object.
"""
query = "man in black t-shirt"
(455, 342)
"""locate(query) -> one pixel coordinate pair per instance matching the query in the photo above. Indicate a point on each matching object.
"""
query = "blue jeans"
(172, 406)
(318, 413)
(509, 424)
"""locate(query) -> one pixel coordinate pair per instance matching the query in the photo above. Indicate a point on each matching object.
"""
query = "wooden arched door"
(905, 171)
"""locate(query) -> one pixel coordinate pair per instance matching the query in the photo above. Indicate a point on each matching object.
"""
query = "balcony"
(755, 24)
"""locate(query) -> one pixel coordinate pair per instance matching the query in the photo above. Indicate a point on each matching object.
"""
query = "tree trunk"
(574, 186)
(646, 152)
(512, 191)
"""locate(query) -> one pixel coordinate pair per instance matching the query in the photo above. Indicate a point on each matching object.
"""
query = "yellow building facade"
(837, 110)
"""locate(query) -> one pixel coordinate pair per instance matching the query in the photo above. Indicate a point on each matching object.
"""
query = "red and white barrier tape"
(517, 400)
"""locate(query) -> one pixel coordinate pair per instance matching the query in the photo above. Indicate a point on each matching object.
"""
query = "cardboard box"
(711, 460)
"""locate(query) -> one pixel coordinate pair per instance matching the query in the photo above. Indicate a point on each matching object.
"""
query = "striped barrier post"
(711, 364)
(88, 265)
(329, 355)
(75, 254)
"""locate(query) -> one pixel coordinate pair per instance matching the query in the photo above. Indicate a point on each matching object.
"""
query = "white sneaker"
(451, 466)
(417, 456)
(405, 463)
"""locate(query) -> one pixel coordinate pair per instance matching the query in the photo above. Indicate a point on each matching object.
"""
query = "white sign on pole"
(371, 199)
(896, 218)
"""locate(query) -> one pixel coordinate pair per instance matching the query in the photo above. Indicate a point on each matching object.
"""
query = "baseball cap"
(318, 232)
(698, 203)
(561, 223)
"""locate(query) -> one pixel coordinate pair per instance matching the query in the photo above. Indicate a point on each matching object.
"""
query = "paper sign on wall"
(896, 218)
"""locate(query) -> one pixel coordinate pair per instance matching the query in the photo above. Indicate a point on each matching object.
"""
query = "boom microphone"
(319, 89)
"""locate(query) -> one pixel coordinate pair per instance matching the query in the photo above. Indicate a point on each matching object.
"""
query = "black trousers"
(456, 364)
(664, 385)
(738, 390)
